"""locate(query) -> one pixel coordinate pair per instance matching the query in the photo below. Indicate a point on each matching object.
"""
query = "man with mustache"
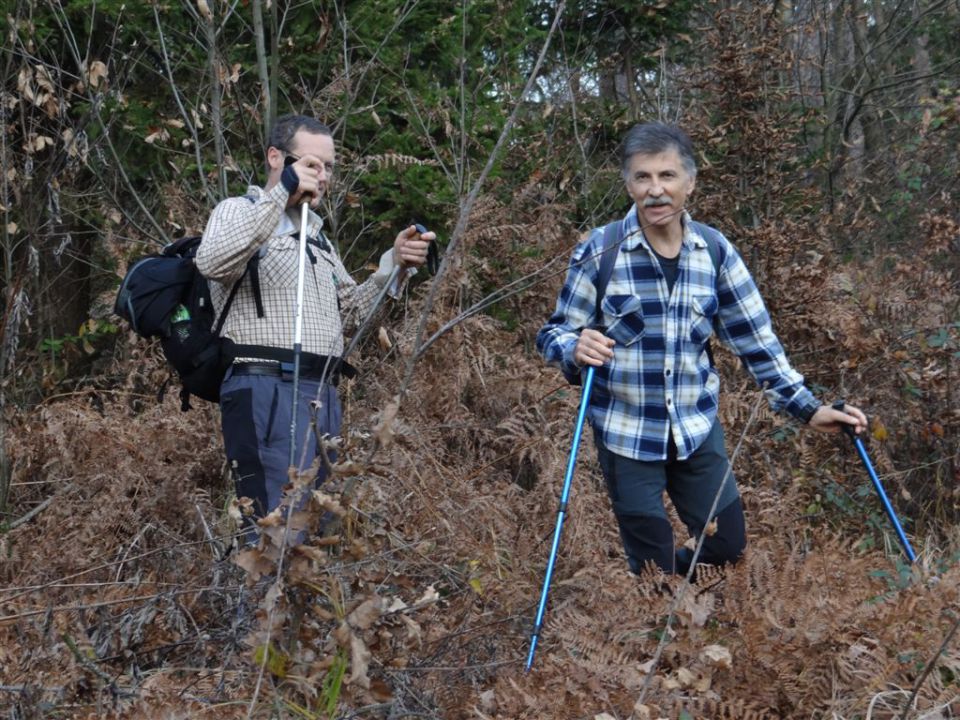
(655, 395)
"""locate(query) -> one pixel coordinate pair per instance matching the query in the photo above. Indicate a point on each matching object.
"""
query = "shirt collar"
(633, 237)
(314, 221)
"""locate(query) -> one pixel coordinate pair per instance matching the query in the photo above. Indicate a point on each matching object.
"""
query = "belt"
(284, 370)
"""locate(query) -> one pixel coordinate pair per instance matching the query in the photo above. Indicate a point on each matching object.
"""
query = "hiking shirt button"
(667, 372)
(669, 402)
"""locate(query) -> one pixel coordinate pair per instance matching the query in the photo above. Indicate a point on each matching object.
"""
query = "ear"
(274, 158)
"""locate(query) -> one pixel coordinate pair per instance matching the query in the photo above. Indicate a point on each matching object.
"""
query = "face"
(659, 185)
(305, 144)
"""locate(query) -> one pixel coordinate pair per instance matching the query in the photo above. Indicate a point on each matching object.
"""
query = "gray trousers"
(255, 413)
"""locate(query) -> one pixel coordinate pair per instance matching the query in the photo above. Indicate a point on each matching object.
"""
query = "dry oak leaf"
(879, 430)
(642, 712)
(384, 428)
(256, 565)
(695, 611)
(96, 73)
(204, 9)
(366, 613)
(717, 656)
(348, 468)
(359, 663)
(686, 677)
(414, 631)
(429, 596)
(383, 337)
(328, 503)
(158, 134)
(25, 83)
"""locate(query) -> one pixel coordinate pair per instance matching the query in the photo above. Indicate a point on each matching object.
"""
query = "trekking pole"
(298, 329)
(888, 508)
(564, 495)
(361, 331)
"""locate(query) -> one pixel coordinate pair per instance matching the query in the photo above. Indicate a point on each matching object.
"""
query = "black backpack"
(165, 296)
(612, 238)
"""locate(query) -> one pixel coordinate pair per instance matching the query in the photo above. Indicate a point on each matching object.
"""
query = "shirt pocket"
(623, 316)
(703, 310)
(278, 264)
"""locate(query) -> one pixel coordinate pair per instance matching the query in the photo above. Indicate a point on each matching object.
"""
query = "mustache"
(653, 202)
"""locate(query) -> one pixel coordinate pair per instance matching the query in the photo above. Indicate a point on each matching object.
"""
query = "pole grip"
(844, 427)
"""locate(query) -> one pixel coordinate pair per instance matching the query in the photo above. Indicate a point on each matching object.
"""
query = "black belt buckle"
(286, 371)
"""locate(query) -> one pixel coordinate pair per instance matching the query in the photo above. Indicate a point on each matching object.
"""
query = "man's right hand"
(593, 348)
(312, 177)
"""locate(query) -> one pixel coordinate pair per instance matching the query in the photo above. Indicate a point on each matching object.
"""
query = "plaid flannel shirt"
(256, 222)
(660, 380)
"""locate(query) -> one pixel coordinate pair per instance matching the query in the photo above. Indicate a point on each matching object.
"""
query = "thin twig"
(104, 603)
(188, 121)
(32, 514)
(929, 668)
(665, 636)
(216, 92)
(467, 208)
(264, 75)
(24, 590)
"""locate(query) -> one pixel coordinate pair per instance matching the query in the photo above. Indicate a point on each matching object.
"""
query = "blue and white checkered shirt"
(660, 380)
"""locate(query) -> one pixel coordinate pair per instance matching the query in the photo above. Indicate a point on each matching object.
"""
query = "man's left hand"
(410, 247)
(826, 419)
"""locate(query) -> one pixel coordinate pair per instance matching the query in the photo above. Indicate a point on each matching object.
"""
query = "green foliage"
(332, 684)
(85, 339)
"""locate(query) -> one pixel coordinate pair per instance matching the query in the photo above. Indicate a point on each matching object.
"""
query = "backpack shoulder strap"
(253, 268)
(226, 306)
(612, 237)
(712, 239)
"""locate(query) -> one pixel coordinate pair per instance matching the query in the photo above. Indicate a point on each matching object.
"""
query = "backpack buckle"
(286, 371)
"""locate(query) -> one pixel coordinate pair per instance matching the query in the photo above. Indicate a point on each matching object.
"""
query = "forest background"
(827, 134)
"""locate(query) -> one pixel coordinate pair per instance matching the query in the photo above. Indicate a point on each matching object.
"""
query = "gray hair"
(286, 126)
(655, 138)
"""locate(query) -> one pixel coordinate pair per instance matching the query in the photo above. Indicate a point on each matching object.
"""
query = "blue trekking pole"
(888, 508)
(564, 495)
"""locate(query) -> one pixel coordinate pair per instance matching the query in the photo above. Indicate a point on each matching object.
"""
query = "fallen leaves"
(383, 430)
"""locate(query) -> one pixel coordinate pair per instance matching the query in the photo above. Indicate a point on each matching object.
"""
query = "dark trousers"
(255, 412)
(636, 493)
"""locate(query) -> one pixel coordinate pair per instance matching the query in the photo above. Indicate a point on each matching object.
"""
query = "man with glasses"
(250, 250)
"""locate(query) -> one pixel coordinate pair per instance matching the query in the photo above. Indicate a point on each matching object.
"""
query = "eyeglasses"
(289, 159)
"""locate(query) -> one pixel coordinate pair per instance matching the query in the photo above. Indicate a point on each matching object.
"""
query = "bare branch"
(465, 210)
(188, 121)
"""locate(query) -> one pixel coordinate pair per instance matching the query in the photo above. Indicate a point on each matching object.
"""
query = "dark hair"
(654, 138)
(286, 126)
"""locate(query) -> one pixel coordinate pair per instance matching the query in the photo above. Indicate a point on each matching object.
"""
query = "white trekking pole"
(298, 329)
